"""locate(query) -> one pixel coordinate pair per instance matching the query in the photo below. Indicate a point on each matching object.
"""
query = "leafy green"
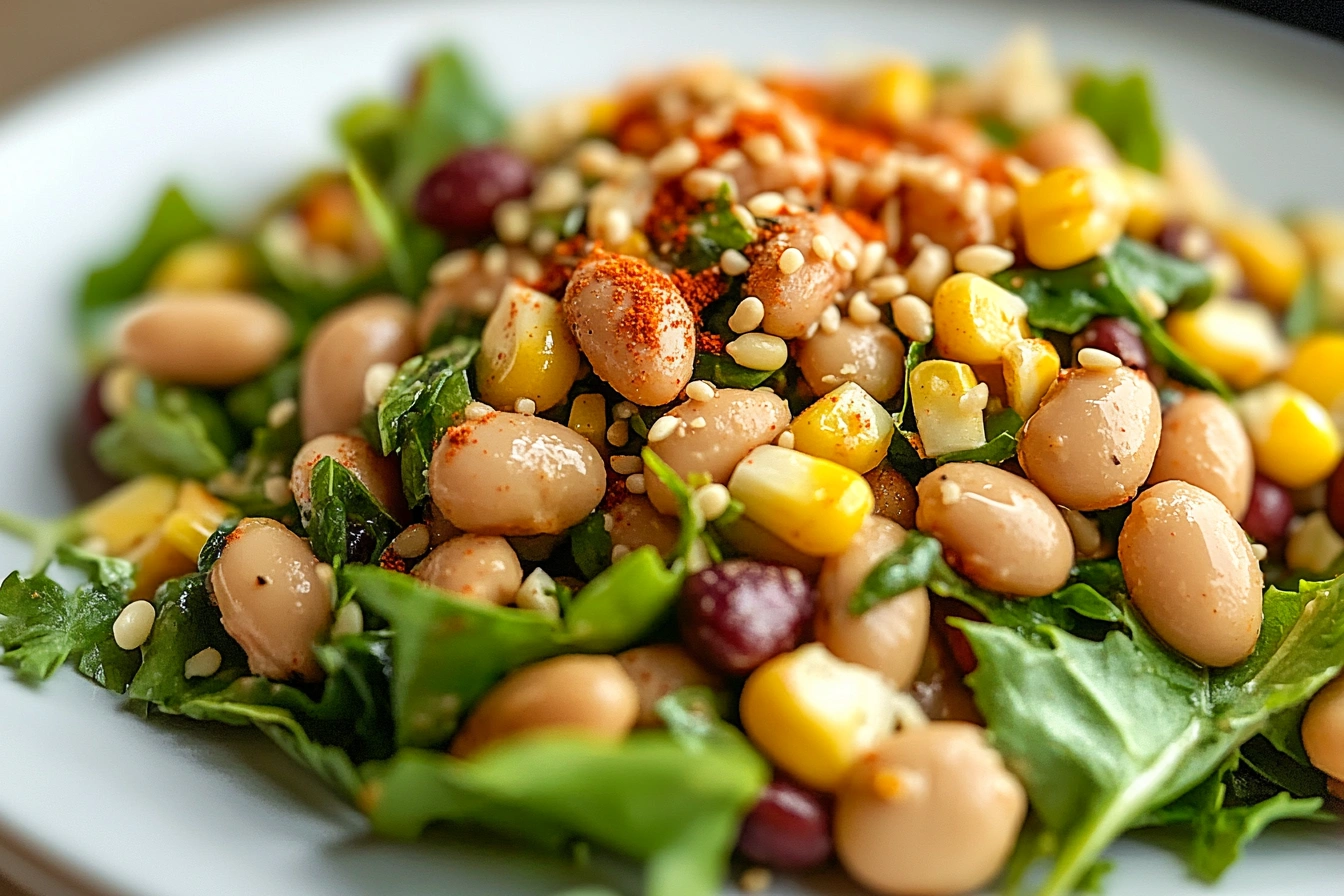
(447, 651)
(724, 372)
(711, 232)
(692, 520)
(173, 223)
(346, 522)
(369, 130)
(180, 432)
(45, 624)
(187, 623)
(429, 394)
(902, 454)
(999, 131)
(250, 404)
(1102, 732)
(651, 797)
(1305, 315)
(1123, 108)
(590, 544)
(1001, 430)
(271, 454)
(410, 248)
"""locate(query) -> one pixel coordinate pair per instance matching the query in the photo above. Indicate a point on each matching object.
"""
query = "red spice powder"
(390, 560)
(709, 342)
(866, 227)
(699, 290)
(616, 492)
(648, 289)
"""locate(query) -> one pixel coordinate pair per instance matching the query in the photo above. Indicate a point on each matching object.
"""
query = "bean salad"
(933, 473)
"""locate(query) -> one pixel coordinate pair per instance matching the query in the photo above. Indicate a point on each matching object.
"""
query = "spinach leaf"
(710, 233)
(428, 395)
(410, 248)
(902, 454)
(724, 372)
(173, 223)
(187, 623)
(1123, 108)
(1001, 431)
(1304, 315)
(651, 797)
(1102, 732)
(447, 651)
(44, 624)
(180, 432)
(590, 544)
(346, 522)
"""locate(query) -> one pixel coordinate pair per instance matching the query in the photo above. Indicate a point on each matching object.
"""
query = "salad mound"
(931, 472)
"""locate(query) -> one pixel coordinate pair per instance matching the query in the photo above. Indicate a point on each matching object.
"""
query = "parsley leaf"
(710, 233)
(171, 430)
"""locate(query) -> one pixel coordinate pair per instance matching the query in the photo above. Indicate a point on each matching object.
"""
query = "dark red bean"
(740, 613)
(1270, 512)
(459, 196)
(789, 828)
(1177, 237)
(1334, 499)
(957, 644)
(87, 479)
(1116, 335)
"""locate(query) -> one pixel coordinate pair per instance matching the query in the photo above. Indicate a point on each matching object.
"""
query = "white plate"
(236, 111)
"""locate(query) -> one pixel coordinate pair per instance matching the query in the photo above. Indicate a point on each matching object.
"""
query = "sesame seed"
(790, 260)
(862, 311)
(1260, 552)
(728, 160)
(133, 624)
(618, 433)
(625, 464)
(477, 410)
(276, 489)
(712, 500)
(747, 316)
(1095, 359)
(412, 541)
(617, 226)
(983, 259)
(618, 551)
(280, 413)
(700, 390)
(1151, 302)
(930, 268)
(845, 260)
(829, 322)
(765, 205)
(635, 484)
(513, 220)
(812, 330)
(624, 410)
(886, 288)
(453, 266)
(870, 261)
(525, 406)
(758, 351)
(763, 149)
(704, 183)
(349, 620)
(744, 217)
(558, 190)
(913, 318)
(822, 247)
(733, 262)
(662, 428)
(674, 159)
(785, 439)
(203, 664)
(698, 423)
(376, 380)
(495, 260)
(597, 158)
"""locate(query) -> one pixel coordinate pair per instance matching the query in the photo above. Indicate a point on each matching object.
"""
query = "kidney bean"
(1116, 335)
(1270, 511)
(788, 828)
(460, 196)
(740, 613)
(1334, 500)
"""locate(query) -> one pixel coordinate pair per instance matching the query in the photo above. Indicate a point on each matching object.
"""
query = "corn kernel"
(974, 319)
(207, 265)
(1313, 546)
(1271, 257)
(1071, 215)
(815, 505)
(897, 94)
(1148, 202)
(1322, 232)
(636, 244)
(1030, 368)
(946, 422)
(1317, 369)
(1237, 340)
(130, 512)
(156, 562)
(1295, 442)
(602, 114)
(197, 515)
(527, 351)
(588, 418)
(813, 715)
(848, 426)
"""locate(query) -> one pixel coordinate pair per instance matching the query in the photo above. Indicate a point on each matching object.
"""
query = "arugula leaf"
(429, 394)
(1123, 108)
(447, 651)
(710, 233)
(1001, 431)
(180, 432)
(44, 624)
(173, 223)
(650, 797)
(590, 544)
(1101, 732)
(346, 522)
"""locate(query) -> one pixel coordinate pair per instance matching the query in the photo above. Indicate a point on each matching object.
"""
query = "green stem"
(43, 535)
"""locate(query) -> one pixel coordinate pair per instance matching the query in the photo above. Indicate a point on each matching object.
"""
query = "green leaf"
(250, 404)
(179, 432)
(271, 454)
(1305, 315)
(649, 797)
(173, 223)
(1000, 132)
(1221, 836)
(1001, 431)
(370, 130)
(429, 394)
(710, 233)
(1123, 108)
(623, 603)
(692, 520)
(408, 247)
(726, 373)
(187, 623)
(590, 544)
(44, 624)
(346, 522)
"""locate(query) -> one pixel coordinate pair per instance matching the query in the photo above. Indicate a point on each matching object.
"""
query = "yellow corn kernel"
(1237, 340)
(947, 411)
(526, 351)
(1271, 257)
(588, 418)
(602, 114)
(636, 244)
(974, 319)
(846, 425)
(156, 562)
(1313, 546)
(197, 515)
(1030, 368)
(130, 512)
(1148, 202)
(897, 94)
(1295, 442)
(206, 265)
(813, 715)
(1317, 369)
(1322, 232)
(1071, 215)
(814, 505)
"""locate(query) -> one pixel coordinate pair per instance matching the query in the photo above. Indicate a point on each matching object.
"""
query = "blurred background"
(42, 39)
